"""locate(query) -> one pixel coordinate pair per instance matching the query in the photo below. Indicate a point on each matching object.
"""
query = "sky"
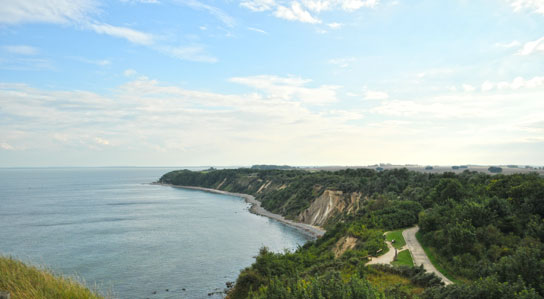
(298, 82)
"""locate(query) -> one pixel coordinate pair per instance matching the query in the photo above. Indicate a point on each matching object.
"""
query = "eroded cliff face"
(344, 244)
(328, 205)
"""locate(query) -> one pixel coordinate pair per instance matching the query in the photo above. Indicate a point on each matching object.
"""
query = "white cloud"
(376, 95)
(6, 146)
(101, 141)
(257, 30)
(299, 10)
(347, 5)
(52, 11)
(75, 12)
(517, 83)
(258, 5)
(21, 49)
(99, 62)
(532, 47)
(26, 64)
(335, 25)
(276, 123)
(131, 35)
(512, 44)
(351, 5)
(216, 12)
(468, 88)
(536, 6)
(295, 13)
(342, 62)
(487, 86)
(191, 53)
(129, 72)
(290, 88)
(141, 1)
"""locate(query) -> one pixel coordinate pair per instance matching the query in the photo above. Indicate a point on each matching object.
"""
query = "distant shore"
(310, 230)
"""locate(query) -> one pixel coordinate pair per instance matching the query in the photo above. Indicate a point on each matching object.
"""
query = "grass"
(383, 281)
(404, 258)
(24, 281)
(397, 236)
(433, 257)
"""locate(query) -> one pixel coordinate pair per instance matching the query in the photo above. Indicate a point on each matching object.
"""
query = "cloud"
(142, 1)
(335, 25)
(99, 62)
(515, 84)
(468, 88)
(351, 5)
(131, 35)
(290, 88)
(26, 64)
(52, 11)
(376, 95)
(191, 53)
(101, 141)
(532, 47)
(346, 5)
(295, 13)
(6, 146)
(512, 44)
(129, 72)
(277, 122)
(216, 12)
(21, 49)
(536, 6)
(342, 62)
(258, 5)
(300, 10)
(257, 30)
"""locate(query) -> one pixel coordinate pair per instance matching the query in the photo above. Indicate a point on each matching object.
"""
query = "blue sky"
(301, 82)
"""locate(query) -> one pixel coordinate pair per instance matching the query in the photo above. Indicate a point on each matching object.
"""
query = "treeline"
(485, 230)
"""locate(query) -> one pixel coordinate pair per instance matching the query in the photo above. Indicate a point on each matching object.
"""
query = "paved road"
(418, 254)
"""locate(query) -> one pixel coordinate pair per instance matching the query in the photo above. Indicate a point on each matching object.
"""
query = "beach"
(310, 230)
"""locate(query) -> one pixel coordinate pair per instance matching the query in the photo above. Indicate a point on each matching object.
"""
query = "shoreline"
(309, 230)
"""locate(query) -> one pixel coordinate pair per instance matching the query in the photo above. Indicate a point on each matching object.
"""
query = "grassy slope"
(434, 259)
(23, 281)
(404, 258)
(397, 236)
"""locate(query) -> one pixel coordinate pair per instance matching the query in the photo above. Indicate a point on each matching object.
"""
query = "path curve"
(386, 258)
(418, 254)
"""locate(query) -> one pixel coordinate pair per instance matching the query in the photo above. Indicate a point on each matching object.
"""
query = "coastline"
(309, 230)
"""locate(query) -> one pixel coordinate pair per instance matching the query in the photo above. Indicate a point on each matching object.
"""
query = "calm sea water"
(110, 227)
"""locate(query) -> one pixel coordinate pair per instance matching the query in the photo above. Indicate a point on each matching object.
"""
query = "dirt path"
(387, 258)
(418, 254)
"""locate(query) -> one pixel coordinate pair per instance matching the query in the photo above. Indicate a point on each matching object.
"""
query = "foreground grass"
(434, 259)
(23, 281)
(404, 258)
(397, 236)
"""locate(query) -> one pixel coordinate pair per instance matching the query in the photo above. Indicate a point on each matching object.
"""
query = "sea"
(127, 238)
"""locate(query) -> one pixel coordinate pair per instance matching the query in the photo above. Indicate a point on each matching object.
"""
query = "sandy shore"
(310, 230)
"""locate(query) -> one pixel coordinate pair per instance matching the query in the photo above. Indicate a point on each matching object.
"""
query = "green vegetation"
(494, 169)
(397, 237)
(404, 258)
(487, 230)
(23, 281)
(431, 254)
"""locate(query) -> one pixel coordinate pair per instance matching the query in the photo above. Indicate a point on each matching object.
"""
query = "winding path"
(418, 254)
(386, 258)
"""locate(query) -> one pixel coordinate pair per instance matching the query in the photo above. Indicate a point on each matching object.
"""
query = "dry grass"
(23, 281)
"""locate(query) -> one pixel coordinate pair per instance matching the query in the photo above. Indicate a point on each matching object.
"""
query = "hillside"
(485, 231)
(24, 281)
